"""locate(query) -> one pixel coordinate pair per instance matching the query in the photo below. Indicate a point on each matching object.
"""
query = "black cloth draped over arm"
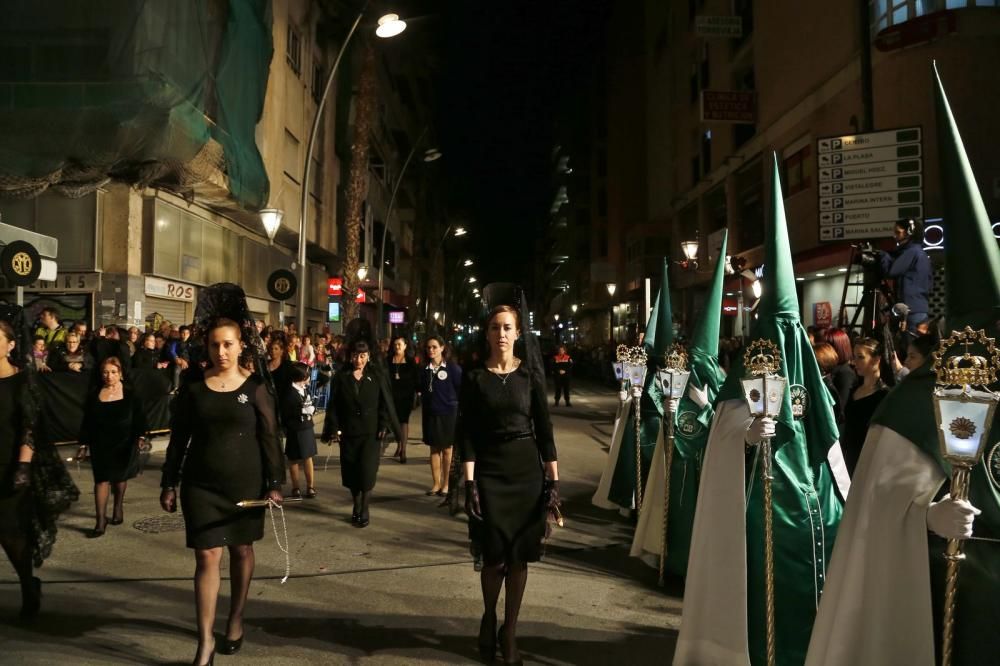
(542, 423)
(267, 437)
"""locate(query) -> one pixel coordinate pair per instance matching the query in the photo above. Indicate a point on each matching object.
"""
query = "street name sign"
(868, 181)
(718, 26)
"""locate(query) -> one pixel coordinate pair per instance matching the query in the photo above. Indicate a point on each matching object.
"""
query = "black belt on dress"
(507, 437)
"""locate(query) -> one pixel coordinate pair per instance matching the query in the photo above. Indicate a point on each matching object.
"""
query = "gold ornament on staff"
(673, 383)
(637, 377)
(964, 408)
(764, 392)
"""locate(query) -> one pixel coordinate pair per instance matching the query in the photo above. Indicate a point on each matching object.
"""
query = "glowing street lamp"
(611, 287)
(390, 25)
(271, 219)
(362, 272)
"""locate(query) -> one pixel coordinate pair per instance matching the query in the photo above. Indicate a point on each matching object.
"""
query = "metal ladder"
(866, 308)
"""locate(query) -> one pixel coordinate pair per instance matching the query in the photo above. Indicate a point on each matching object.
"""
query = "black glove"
(550, 494)
(472, 508)
(22, 475)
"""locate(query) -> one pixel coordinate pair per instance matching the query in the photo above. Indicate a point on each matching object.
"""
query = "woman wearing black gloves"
(512, 477)
(225, 431)
(34, 485)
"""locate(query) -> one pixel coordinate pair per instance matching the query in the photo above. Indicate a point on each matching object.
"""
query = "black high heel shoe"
(519, 661)
(487, 638)
(210, 662)
(230, 647)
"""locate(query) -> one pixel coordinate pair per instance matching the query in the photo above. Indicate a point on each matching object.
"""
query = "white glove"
(760, 428)
(623, 396)
(636, 391)
(308, 410)
(698, 396)
(951, 519)
(673, 405)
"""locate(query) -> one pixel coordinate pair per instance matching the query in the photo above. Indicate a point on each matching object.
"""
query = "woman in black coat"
(114, 426)
(297, 411)
(359, 412)
(403, 376)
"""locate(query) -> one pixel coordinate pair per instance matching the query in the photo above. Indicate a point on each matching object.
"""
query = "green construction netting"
(154, 92)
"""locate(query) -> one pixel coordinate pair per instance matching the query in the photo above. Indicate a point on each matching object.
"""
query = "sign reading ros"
(177, 291)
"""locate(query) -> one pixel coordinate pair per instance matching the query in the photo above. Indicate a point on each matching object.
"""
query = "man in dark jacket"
(910, 267)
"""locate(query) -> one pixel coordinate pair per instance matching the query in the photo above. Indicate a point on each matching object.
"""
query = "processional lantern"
(963, 407)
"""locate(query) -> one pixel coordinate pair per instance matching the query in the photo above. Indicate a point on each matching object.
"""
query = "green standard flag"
(658, 339)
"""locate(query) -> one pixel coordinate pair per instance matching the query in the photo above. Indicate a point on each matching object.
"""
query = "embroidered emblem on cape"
(688, 424)
(242, 398)
(800, 400)
(992, 461)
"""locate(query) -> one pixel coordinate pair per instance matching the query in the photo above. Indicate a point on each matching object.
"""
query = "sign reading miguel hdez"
(868, 181)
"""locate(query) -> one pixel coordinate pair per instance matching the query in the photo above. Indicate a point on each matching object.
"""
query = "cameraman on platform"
(909, 267)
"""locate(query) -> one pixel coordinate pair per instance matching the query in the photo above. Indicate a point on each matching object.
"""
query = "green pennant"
(971, 259)
(660, 327)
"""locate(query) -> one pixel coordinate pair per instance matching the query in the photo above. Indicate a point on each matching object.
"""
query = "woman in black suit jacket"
(358, 413)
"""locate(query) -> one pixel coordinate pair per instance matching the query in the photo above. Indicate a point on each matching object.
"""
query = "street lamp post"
(389, 26)
(458, 231)
(429, 156)
(611, 287)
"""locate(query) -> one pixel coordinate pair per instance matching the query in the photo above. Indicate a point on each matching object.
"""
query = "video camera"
(865, 254)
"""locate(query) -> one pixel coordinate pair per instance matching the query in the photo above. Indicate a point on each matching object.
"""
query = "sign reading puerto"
(868, 181)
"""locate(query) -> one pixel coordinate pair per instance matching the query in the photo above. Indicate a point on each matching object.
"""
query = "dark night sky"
(507, 69)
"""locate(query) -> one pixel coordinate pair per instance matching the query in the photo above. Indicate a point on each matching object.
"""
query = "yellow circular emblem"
(21, 263)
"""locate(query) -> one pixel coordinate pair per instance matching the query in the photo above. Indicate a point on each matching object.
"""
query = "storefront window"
(72, 221)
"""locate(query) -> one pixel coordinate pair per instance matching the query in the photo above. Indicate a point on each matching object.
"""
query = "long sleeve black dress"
(297, 419)
(112, 430)
(504, 428)
(231, 442)
(403, 379)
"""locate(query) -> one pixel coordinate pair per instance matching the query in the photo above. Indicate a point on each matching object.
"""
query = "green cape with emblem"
(901, 470)
(806, 505)
(690, 435)
(659, 336)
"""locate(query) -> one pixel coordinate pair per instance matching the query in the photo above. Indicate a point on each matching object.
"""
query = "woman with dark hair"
(438, 388)
(512, 477)
(863, 400)
(843, 375)
(357, 415)
(224, 432)
(114, 427)
(278, 363)
(403, 379)
(297, 411)
(34, 485)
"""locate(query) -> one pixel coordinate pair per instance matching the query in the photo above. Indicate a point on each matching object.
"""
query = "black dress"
(403, 382)
(857, 417)
(111, 430)
(15, 505)
(359, 409)
(300, 433)
(504, 428)
(232, 453)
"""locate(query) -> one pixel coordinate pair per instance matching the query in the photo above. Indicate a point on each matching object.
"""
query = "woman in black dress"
(403, 374)
(34, 485)
(863, 401)
(358, 414)
(224, 430)
(114, 427)
(297, 411)
(146, 357)
(512, 477)
(278, 363)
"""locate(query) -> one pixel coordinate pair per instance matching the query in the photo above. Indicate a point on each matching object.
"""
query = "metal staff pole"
(637, 378)
(964, 416)
(764, 391)
(673, 382)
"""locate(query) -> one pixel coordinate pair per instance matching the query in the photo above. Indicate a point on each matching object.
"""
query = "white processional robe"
(876, 607)
(600, 498)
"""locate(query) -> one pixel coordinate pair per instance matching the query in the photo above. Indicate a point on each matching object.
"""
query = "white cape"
(648, 538)
(600, 498)
(714, 624)
(876, 606)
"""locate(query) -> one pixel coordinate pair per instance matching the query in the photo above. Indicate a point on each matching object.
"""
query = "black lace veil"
(527, 348)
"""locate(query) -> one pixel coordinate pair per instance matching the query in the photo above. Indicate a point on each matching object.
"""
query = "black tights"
(18, 549)
(514, 577)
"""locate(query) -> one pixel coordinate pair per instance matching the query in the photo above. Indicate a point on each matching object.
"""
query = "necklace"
(504, 376)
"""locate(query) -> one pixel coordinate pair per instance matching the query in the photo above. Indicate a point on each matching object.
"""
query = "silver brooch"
(242, 397)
